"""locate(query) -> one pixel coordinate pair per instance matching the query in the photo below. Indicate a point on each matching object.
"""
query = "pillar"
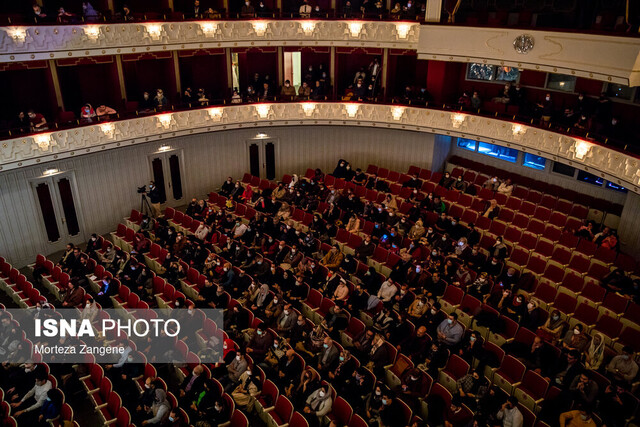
(229, 62)
(123, 89)
(332, 72)
(176, 72)
(384, 71)
(53, 69)
(280, 65)
(434, 11)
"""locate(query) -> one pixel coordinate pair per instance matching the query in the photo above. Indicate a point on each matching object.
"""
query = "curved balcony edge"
(38, 149)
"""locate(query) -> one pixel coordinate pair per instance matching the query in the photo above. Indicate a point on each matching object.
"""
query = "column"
(280, 66)
(176, 72)
(170, 5)
(229, 61)
(111, 7)
(53, 69)
(123, 89)
(628, 230)
(434, 11)
(332, 72)
(385, 65)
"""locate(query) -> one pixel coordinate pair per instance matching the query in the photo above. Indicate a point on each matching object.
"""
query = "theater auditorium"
(359, 212)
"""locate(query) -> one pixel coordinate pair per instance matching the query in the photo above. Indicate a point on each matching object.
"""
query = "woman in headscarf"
(294, 181)
(353, 225)
(236, 193)
(87, 113)
(318, 405)
(246, 392)
(284, 212)
(160, 408)
(90, 14)
(594, 355)
(341, 168)
(417, 231)
(552, 328)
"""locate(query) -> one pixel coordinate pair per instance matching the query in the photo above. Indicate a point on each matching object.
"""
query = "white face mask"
(321, 393)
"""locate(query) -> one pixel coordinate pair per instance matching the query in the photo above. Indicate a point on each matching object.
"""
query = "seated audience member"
(38, 122)
(450, 331)
(33, 399)
(492, 209)
(506, 187)
(104, 113)
(580, 417)
(622, 367)
(160, 102)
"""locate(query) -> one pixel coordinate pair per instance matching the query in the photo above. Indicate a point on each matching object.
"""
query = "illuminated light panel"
(165, 120)
(43, 141)
(518, 130)
(397, 112)
(308, 108)
(403, 30)
(92, 32)
(18, 34)
(308, 27)
(108, 128)
(164, 148)
(263, 111)
(260, 27)
(215, 113)
(154, 30)
(355, 28)
(208, 28)
(582, 148)
(457, 119)
(352, 109)
(50, 172)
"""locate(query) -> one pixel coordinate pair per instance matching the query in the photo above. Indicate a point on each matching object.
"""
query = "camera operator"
(154, 198)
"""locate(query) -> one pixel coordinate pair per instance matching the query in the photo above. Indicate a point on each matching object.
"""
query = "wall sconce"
(164, 148)
(518, 131)
(403, 30)
(352, 109)
(262, 135)
(581, 148)
(397, 112)
(154, 30)
(308, 108)
(260, 28)
(215, 113)
(208, 28)
(108, 129)
(18, 34)
(49, 172)
(92, 32)
(355, 28)
(165, 120)
(263, 111)
(43, 141)
(457, 119)
(308, 27)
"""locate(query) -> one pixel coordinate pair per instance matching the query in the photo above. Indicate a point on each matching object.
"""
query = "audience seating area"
(535, 223)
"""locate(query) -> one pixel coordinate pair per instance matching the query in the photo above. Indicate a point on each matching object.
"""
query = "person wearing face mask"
(328, 356)
(575, 339)
(412, 387)
(509, 413)
(318, 404)
(247, 11)
(512, 306)
(343, 371)
(373, 404)
(259, 344)
(446, 181)
(546, 110)
(623, 367)
(234, 370)
(450, 331)
(553, 327)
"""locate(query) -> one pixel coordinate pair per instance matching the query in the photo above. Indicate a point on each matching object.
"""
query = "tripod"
(145, 207)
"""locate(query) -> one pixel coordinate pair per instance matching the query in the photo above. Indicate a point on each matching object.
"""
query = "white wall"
(107, 181)
(546, 175)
